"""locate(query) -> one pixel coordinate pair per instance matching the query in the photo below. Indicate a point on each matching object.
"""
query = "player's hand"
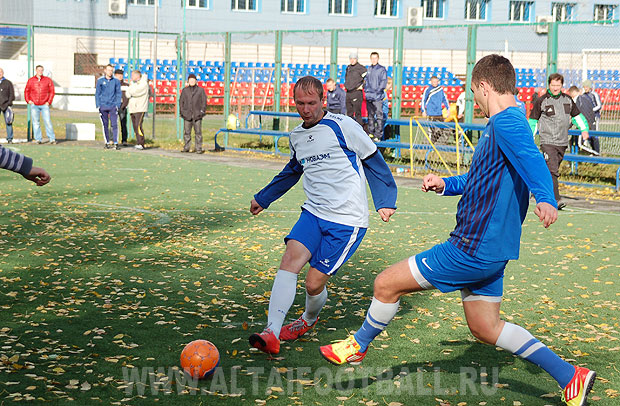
(386, 213)
(433, 183)
(585, 135)
(546, 213)
(38, 176)
(255, 208)
(424, 114)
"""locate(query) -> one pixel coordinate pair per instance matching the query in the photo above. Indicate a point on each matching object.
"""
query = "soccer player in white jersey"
(336, 157)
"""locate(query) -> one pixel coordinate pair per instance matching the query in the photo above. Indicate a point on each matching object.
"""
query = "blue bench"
(597, 160)
(256, 131)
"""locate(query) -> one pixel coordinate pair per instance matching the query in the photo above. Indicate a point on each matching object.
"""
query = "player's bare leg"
(390, 285)
(482, 314)
(282, 296)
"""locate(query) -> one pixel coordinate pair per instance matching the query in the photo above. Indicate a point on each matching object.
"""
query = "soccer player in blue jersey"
(336, 158)
(505, 167)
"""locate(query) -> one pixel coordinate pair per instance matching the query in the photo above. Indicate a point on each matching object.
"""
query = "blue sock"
(378, 316)
(520, 342)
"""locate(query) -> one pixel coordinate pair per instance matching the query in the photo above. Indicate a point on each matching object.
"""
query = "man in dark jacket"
(122, 112)
(193, 103)
(354, 83)
(7, 95)
(336, 98)
(374, 87)
(108, 99)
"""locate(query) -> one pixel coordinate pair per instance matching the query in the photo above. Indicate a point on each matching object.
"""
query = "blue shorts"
(447, 268)
(330, 244)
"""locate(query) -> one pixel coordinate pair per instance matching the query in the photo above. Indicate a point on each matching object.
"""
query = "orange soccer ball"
(200, 358)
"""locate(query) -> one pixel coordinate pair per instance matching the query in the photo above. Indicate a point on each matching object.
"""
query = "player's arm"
(382, 184)
(446, 102)
(535, 114)
(597, 102)
(378, 174)
(279, 185)
(21, 164)
(579, 120)
(424, 100)
(521, 152)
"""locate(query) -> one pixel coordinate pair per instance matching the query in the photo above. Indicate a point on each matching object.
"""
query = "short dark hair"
(330, 80)
(374, 53)
(555, 76)
(119, 72)
(309, 84)
(110, 65)
(497, 71)
(38, 66)
(434, 77)
(573, 89)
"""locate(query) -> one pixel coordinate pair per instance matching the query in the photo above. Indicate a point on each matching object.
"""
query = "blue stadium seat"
(122, 61)
(200, 63)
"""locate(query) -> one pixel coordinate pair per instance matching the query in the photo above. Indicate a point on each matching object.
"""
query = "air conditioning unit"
(415, 16)
(543, 28)
(117, 7)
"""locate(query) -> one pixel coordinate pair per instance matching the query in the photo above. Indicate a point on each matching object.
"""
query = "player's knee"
(483, 331)
(383, 285)
(314, 287)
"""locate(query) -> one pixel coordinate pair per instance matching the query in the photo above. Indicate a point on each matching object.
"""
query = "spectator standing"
(584, 104)
(138, 103)
(122, 112)
(7, 96)
(596, 102)
(374, 87)
(336, 98)
(193, 107)
(433, 101)
(39, 94)
(553, 113)
(108, 98)
(354, 83)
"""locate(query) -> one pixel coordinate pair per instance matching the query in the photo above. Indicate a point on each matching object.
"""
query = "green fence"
(585, 49)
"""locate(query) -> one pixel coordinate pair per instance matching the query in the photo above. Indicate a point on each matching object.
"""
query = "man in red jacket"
(39, 94)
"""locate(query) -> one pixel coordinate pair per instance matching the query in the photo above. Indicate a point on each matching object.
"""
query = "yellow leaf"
(119, 336)
(276, 389)
(187, 299)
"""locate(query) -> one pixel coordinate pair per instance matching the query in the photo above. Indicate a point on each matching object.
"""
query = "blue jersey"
(505, 167)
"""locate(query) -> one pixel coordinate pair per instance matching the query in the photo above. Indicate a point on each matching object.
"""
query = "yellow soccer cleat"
(576, 392)
(347, 350)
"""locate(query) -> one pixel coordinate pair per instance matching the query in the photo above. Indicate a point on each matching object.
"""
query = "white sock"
(281, 300)
(513, 337)
(314, 304)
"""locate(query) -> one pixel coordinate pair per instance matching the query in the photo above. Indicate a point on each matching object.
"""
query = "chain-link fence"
(239, 70)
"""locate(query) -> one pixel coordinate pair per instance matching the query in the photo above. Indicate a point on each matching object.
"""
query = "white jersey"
(331, 154)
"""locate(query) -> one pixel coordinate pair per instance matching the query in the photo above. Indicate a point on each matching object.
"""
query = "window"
(293, 6)
(243, 5)
(386, 8)
(341, 7)
(142, 2)
(604, 12)
(521, 11)
(476, 9)
(563, 11)
(433, 8)
(197, 4)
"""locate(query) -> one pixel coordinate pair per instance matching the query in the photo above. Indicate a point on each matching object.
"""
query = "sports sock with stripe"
(520, 342)
(378, 316)
(314, 304)
(281, 300)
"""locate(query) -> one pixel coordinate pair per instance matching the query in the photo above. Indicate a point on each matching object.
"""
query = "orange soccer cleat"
(265, 341)
(296, 329)
(576, 392)
(347, 350)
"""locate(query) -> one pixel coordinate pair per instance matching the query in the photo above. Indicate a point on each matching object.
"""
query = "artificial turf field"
(107, 272)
